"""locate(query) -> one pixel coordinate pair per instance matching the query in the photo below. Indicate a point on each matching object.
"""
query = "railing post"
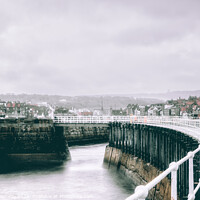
(191, 173)
(174, 180)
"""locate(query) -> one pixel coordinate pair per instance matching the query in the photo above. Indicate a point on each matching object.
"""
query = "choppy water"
(84, 177)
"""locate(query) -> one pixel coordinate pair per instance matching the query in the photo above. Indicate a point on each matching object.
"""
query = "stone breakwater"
(33, 141)
(139, 171)
(80, 134)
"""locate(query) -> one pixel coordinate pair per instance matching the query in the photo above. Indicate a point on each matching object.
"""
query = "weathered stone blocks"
(32, 140)
(139, 171)
(77, 134)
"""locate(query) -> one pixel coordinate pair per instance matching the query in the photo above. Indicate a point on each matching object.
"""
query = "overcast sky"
(88, 47)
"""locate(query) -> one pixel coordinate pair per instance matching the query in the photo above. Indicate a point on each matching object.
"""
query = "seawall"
(26, 142)
(144, 151)
(139, 171)
(80, 134)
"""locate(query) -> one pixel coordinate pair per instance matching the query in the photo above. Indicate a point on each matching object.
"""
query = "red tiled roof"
(8, 105)
(194, 107)
(198, 103)
(183, 109)
(189, 102)
(86, 113)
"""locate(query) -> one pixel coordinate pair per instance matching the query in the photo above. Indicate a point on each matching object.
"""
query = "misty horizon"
(112, 94)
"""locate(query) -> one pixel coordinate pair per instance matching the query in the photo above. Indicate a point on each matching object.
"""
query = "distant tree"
(62, 110)
(192, 98)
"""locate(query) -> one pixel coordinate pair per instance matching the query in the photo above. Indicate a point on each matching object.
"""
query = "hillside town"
(11, 109)
(181, 107)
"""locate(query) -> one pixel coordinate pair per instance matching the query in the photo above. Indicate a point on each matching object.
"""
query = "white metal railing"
(90, 119)
(141, 192)
(155, 120)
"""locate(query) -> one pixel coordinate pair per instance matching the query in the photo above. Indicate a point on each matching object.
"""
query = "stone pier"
(144, 151)
(30, 142)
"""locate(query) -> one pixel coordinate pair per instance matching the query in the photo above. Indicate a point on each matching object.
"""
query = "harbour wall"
(80, 134)
(144, 151)
(31, 141)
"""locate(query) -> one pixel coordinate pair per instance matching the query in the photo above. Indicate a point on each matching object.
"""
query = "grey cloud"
(96, 47)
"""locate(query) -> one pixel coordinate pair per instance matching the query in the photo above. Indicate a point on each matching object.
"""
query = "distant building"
(196, 113)
(119, 112)
(97, 112)
(175, 111)
(167, 110)
(142, 110)
(154, 111)
(86, 113)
